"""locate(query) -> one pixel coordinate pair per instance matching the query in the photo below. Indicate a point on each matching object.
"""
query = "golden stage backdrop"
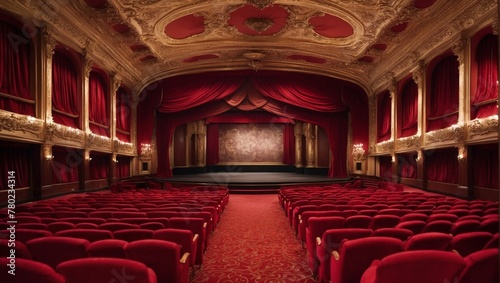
(250, 143)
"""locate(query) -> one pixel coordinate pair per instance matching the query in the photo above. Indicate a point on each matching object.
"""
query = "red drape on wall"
(65, 165)
(123, 167)
(98, 105)
(123, 114)
(442, 106)
(442, 165)
(484, 99)
(384, 117)
(212, 144)
(65, 94)
(99, 166)
(486, 166)
(407, 165)
(14, 159)
(409, 109)
(15, 94)
(149, 99)
(385, 167)
(288, 145)
(221, 86)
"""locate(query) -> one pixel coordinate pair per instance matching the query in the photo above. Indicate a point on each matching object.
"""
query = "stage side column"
(201, 141)
(298, 145)
(309, 132)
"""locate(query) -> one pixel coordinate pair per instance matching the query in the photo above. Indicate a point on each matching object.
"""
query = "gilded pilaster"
(201, 141)
(298, 145)
(394, 100)
(115, 83)
(190, 131)
(48, 51)
(310, 145)
(459, 49)
(419, 79)
(87, 67)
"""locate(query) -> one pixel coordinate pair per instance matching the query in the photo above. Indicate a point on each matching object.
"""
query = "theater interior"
(128, 127)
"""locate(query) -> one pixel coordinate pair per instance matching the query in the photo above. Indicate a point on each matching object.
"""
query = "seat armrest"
(184, 258)
(335, 255)
(195, 237)
(318, 241)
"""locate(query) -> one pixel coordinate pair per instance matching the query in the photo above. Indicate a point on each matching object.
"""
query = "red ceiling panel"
(186, 26)
(200, 57)
(331, 26)
(380, 46)
(422, 4)
(367, 59)
(399, 27)
(251, 20)
(138, 47)
(306, 58)
(97, 4)
(147, 58)
(121, 28)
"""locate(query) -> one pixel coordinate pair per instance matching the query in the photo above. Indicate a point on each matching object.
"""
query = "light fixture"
(358, 152)
(146, 149)
(49, 158)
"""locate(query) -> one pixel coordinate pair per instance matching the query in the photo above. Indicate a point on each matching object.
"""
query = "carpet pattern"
(254, 243)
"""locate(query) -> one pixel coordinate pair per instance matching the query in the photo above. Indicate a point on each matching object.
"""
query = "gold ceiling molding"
(259, 24)
(261, 4)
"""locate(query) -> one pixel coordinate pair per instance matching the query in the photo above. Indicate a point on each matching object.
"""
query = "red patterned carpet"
(254, 243)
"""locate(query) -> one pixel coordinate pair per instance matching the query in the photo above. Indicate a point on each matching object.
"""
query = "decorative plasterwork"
(386, 146)
(455, 133)
(64, 133)
(19, 123)
(482, 127)
(412, 142)
(97, 141)
(123, 147)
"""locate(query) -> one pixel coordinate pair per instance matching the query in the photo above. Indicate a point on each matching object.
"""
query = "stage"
(252, 181)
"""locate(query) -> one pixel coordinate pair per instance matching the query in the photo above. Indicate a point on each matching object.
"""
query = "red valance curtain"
(123, 167)
(98, 105)
(384, 117)
(409, 109)
(442, 165)
(16, 159)
(65, 94)
(15, 93)
(407, 166)
(123, 114)
(385, 167)
(486, 166)
(212, 144)
(484, 99)
(99, 166)
(442, 106)
(65, 165)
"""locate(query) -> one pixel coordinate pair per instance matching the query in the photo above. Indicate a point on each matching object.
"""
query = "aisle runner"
(254, 243)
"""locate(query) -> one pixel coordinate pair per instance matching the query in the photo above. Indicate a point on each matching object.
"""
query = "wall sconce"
(115, 160)
(49, 158)
(146, 149)
(358, 152)
(461, 153)
(393, 158)
(419, 156)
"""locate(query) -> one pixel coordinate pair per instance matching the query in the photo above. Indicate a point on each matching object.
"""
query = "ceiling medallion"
(261, 4)
(259, 24)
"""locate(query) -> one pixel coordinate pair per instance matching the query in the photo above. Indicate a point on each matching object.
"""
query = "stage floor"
(252, 179)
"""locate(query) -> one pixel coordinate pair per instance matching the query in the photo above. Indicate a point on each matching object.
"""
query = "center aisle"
(254, 243)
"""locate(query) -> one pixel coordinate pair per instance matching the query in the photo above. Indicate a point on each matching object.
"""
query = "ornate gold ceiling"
(365, 41)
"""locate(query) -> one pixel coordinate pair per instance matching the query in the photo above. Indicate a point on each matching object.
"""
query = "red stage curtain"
(484, 100)
(150, 99)
(385, 167)
(409, 109)
(99, 166)
(407, 166)
(212, 144)
(15, 159)
(65, 165)
(486, 166)
(442, 106)
(442, 165)
(288, 144)
(384, 117)
(123, 167)
(65, 94)
(98, 105)
(248, 118)
(15, 93)
(123, 114)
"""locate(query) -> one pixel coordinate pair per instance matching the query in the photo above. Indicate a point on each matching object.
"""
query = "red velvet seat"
(54, 250)
(443, 226)
(163, 257)
(24, 235)
(492, 243)
(90, 235)
(304, 220)
(465, 226)
(36, 226)
(467, 243)
(28, 271)
(414, 216)
(358, 221)
(398, 233)
(86, 225)
(152, 225)
(442, 216)
(296, 214)
(21, 251)
(106, 270)
(317, 226)
(416, 226)
(329, 242)
(107, 248)
(428, 241)
(384, 221)
(489, 225)
(196, 226)
(70, 213)
(185, 238)
(116, 226)
(424, 266)
(480, 267)
(355, 256)
(131, 235)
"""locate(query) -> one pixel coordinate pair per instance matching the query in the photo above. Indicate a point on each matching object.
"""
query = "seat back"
(182, 237)
(467, 243)
(429, 241)
(107, 248)
(480, 267)
(358, 221)
(21, 251)
(416, 226)
(384, 221)
(398, 233)
(105, 270)
(28, 271)
(131, 235)
(90, 235)
(54, 250)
